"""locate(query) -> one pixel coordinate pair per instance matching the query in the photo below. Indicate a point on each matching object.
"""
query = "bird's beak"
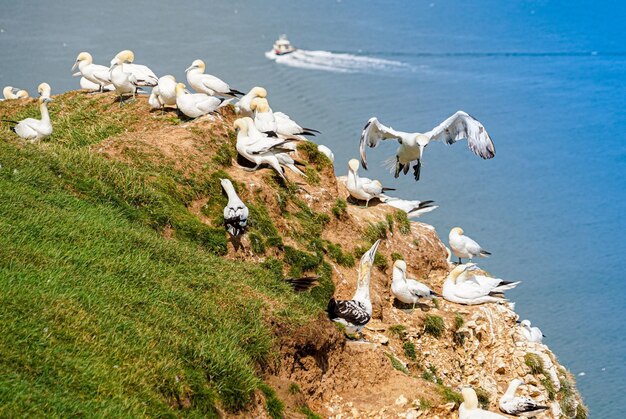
(77, 74)
(371, 254)
(518, 322)
(191, 68)
(48, 99)
(421, 149)
(75, 65)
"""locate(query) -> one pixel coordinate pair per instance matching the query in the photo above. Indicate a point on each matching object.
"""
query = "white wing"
(371, 187)
(461, 126)
(373, 132)
(27, 128)
(207, 103)
(140, 75)
(216, 84)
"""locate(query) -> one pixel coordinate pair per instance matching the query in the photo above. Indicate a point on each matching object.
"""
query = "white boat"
(282, 46)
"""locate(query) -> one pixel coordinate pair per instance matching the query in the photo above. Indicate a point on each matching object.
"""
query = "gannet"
(263, 150)
(10, 92)
(194, 105)
(413, 208)
(287, 126)
(407, 290)
(44, 90)
(327, 152)
(469, 408)
(458, 127)
(357, 312)
(360, 188)
(243, 107)
(235, 212)
(97, 74)
(164, 93)
(463, 246)
(32, 129)
(532, 334)
(128, 77)
(90, 86)
(206, 83)
(462, 286)
(519, 406)
(264, 117)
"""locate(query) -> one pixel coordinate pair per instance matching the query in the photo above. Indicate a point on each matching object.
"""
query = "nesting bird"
(469, 408)
(357, 312)
(235, 211)
(408, 290)
(127, 77)
(463, 246)
(164, 93)
(195, 105)
(244, 105)
(458, 127)
(532, 334)
(463, 286)
(519, 406)
(206, 83)
(363, 189)
(32, 129)
(10, 93)
(98, 75)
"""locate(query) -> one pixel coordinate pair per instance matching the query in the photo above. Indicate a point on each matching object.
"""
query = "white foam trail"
(340, 63)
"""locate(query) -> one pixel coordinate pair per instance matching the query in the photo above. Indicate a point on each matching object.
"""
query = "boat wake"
(337, 62)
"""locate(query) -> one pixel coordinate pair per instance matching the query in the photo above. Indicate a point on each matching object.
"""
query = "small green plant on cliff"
(534, 362)
(434, 325)
(309, 414)
(340, 208)
(409, 351)
(336, 253)
(294, 388)
(403, 222)
(273, 404)
(396, 256)
(395, 362)
(458, 337)
(397, 330)
(449, 395)
(375, 231)
(483, 397)
(313, 155)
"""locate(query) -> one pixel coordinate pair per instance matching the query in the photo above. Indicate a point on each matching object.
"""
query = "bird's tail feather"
(390, 164)
(311, 130)
(505, 287)
(9, 121)
(302, 284)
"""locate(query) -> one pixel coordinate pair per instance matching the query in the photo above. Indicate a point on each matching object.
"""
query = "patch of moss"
(275, 407)
(396, 364)
(389, 220)
(336, 253)
(434, 325)
(309, 414)
(380, 261)
(402, 221)
(396, 256)
(260, 222)
(534, 362)
(300, 261)
(312, 176)
(483, 397)
(225, 154)
(409, 351)
(294, 388)
(313, 155)
(549, 386)
(425, 404)
(397, 330)
(375, 231)
(339, 209)
(257, 243)
(449, 395)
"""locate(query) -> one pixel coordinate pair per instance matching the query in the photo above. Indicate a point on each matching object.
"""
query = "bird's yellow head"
(353, 165)
(258, 91)
(126, 56)
(260, 104)
(422, 140)
(169, 76)
(21, 94)
(43, 88)
(84, 56)
(180, 88)
(457, 230)
(241, 124)
(400, 264)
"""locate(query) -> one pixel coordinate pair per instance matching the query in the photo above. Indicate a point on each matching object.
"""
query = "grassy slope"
(99, 314)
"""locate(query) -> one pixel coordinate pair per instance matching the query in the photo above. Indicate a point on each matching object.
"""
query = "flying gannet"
(164, 93)
(194, 105)
(128, 77)
(235, 211)
(363, 189)
(519, 406)
(357, 312)
(469, 408)
(532, 334)
(463, 246)
(458, 127)
(408, 290)
(10, 93)
(32, 129)
(462, 286)
(260, 150)
(97, 74)
(243, 107)
(206, 83)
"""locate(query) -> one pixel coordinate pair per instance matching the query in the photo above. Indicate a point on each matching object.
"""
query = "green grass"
(309, 414)
(402, 222)
(483, 397)
(434, 325)
(396, 256)
(275, 408)
(340, 208)
(294, 388)
(397, 330)
(534, 362)
(396, 364)
(409, 351)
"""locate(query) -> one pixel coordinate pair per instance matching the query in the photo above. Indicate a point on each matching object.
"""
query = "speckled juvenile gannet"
(532, 334)
(463, 246)
(469, 408)
(462, 286)
(260, 150)
(235, 211)
(44, 90)
(128, 77)
(206, 83)
(32, 129)
(458, 127)
(194, 105)
(363, 189)
(519, 406)
(327, 152)
(164, 93)
(244, 106)
(357, 312)
(97, 74)
(10, 93)
(408, 290)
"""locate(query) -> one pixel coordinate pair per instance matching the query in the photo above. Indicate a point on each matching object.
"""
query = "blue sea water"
(547, 79)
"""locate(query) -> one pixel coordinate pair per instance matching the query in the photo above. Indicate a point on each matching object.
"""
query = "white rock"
(401, 401)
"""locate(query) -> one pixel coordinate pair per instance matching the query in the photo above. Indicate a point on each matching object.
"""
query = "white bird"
(97, 74)
(327, 152)
(10, 93)
(357, 312)
(287, 126)
(408, 290)
(458, 127)
(128, 77)
(194, 105)
(32, 129)
(519, 406)
(463, 246)
(244, 105)
(235, 212)
(469, 408)
(462, 286)
(206, 83)
(264, 119)
(90, 86)
(413, 208)
(164, 93)
(261, 150)
(532, 334)
(363, 189)
(44, 90)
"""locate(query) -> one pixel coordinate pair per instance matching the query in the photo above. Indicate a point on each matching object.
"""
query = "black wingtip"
(9, 121)
(388, 189)
(271, 134)
(484, 252)
(235, 92)
(306, 132)
(311, 130)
